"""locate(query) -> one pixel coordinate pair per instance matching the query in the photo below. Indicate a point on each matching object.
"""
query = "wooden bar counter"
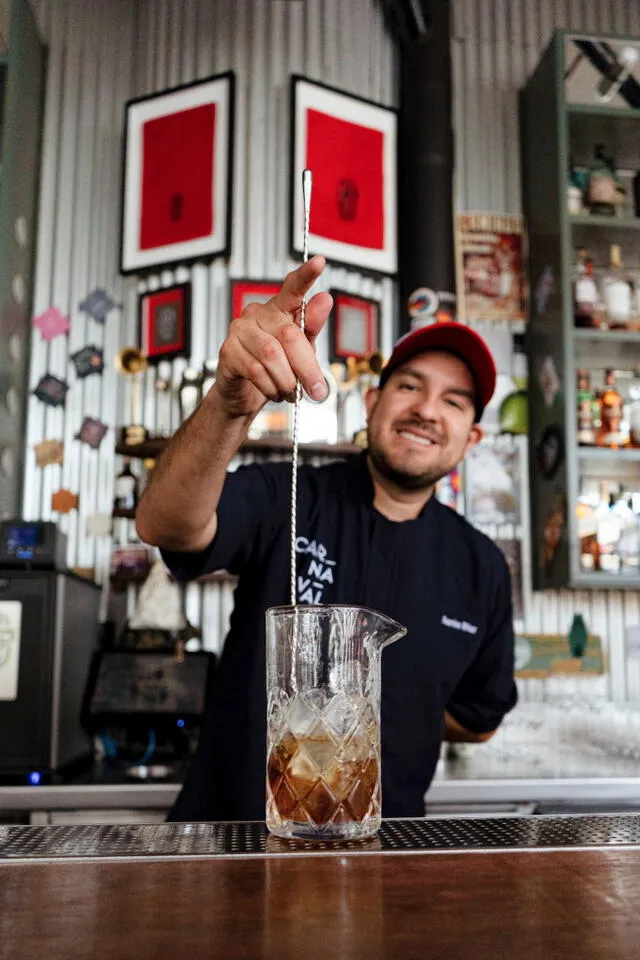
(555, 887)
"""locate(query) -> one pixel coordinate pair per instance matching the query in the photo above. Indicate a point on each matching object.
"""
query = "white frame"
(306, 94)
(218, 90)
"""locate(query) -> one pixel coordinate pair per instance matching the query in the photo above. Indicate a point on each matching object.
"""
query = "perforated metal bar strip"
(252, 839)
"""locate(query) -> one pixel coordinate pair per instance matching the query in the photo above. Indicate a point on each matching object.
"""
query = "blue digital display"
(23, 535)
(34, 778)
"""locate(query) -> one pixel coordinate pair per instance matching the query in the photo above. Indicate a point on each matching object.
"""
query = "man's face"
(421, 424)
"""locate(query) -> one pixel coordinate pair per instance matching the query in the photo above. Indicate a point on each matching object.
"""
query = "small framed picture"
(354, 327)
(246, 291)
(164, 323)
(349, 144)
(178, 158)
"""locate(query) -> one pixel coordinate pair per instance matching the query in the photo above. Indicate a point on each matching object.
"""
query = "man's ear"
(475, 436)
(371, 399)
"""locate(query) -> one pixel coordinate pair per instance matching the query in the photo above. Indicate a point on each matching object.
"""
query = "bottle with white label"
(125, 489)
(617, 292)
(585, 291)
(629, 543)
(633, 408)
(609, 530)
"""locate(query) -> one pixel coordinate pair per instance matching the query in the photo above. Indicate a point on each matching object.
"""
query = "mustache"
(425, 429)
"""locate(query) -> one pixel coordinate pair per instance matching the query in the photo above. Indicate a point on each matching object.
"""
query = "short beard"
(400, 479)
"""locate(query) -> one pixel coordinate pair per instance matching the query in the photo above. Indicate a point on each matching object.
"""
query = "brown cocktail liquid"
(313, 780)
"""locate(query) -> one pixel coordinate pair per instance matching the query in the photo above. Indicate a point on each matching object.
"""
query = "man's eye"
(407, 386)
(456, 403)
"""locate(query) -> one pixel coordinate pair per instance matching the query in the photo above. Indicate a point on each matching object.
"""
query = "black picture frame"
(176, 340)
(218, 89)
(370, 309)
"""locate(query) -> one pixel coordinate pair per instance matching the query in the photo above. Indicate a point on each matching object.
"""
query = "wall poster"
(490, 257)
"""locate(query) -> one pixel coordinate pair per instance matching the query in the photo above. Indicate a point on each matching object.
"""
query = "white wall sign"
(10, 619)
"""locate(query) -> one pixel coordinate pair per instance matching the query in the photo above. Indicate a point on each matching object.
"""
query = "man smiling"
(370, 532)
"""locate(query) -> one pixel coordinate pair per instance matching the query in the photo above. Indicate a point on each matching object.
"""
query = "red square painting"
(349, 145)
(177, 174)
(178, 157)
(347, 163)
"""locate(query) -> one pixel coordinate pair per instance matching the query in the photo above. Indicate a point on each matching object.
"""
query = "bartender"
(369, 531)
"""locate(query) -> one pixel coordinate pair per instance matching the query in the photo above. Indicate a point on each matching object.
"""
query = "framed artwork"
(178, 158)
(490, 259)
(349, 144)
(164, 323)
(245, 291)
(354, 328)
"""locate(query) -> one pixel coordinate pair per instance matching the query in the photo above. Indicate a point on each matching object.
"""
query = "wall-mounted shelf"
(625, 455)
(604, 581)
(591, 110)
(558, 135)
(606, 336)
(120, 581)
(612, 223)
(154, 446)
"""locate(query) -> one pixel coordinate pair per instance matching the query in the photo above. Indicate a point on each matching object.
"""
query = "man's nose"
(426, 405)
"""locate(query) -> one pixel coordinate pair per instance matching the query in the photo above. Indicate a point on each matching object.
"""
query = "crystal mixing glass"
(323, 720)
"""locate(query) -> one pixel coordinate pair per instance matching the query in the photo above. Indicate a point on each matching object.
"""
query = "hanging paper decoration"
(97, 304)
(92, 432)
(51, 323)
(63, 501)
(87, 361)
(51, 390)
(49, 451)
(99, 525)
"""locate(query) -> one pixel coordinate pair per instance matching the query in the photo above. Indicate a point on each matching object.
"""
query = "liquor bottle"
(629, 542)
(609, 529)
(609, 434)
(125, 488)
(604, 191)
(586, 431)
(585, 291)
(616, 290)
(575, 191)
(147, 469)
(586, 517)
(633, 414)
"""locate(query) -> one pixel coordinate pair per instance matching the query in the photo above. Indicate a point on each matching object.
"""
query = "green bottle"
(578, 635)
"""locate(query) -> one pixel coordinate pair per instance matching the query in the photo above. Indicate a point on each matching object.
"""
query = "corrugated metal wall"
(102, 53)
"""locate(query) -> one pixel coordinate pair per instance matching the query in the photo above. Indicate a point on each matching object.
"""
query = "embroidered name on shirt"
(318, 574)
(458, 624)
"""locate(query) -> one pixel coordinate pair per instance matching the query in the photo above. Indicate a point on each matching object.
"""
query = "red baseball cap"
(455, 338)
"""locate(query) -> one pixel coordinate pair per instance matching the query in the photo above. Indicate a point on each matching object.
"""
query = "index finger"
(291, 294)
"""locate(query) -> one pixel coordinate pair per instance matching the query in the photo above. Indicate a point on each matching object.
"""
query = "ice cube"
(340, 715)
(301, 715)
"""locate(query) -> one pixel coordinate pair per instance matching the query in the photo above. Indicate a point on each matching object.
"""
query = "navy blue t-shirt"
(446, 582)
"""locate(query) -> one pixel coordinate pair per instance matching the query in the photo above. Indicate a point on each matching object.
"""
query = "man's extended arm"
(454, 732)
